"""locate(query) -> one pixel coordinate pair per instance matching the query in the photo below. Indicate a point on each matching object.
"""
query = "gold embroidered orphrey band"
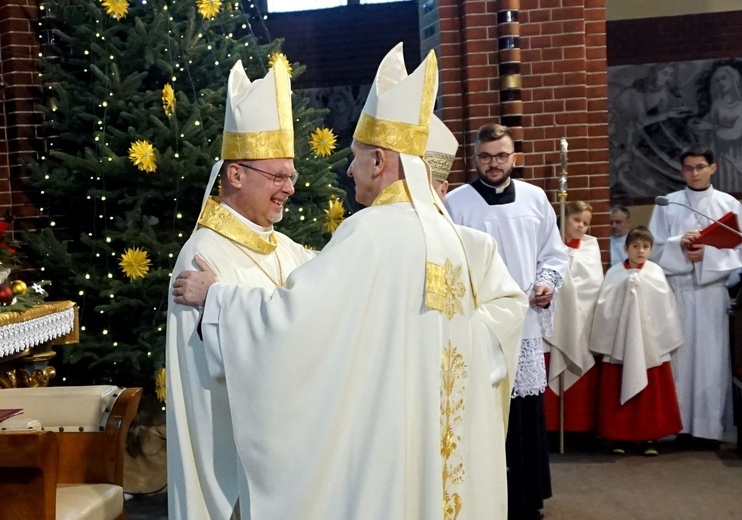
(452, 406)
(222, 221)
(444, 289)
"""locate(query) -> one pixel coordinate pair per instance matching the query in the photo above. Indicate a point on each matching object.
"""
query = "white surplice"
(636, 323)
(529, 242)
(350, 399)
(702, 366)
(203, 467)
(569, 343)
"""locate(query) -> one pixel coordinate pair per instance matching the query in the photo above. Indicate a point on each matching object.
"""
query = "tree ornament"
(18, 287)
(6, 294)
(322, 141)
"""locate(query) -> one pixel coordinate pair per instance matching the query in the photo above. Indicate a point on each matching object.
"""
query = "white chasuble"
(636, 323)
(573, 315)
(702, 366)
(351, 400)
(203, 467)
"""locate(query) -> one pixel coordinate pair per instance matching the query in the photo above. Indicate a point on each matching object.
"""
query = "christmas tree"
(134, 104)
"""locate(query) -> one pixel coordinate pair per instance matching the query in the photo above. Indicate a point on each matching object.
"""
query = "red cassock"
(651, 414)
(636, 327)
(580, 403)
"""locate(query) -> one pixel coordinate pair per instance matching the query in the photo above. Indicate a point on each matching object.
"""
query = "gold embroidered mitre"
(397, 112)
(440, 150)
(257, 122)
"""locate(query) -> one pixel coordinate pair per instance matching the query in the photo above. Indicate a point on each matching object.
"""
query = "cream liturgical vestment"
(702, 366)
(350, 398)
(203, 466)
(636, 323)
(569, 342)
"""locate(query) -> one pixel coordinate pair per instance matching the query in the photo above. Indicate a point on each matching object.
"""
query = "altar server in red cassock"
(636, 327)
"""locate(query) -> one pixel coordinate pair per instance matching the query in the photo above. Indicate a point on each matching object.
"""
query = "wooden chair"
(71, 470)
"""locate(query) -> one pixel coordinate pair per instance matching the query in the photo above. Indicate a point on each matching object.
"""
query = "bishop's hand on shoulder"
(191, 287)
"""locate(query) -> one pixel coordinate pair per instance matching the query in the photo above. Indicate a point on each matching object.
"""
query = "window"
(283, 6)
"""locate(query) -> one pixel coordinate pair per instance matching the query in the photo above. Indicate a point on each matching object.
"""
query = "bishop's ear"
(378, 157)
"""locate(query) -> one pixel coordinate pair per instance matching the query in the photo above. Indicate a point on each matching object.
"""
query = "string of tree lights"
(134, 109)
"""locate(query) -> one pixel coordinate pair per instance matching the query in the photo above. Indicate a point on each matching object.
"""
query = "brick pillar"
(564, 90)
(21, 88)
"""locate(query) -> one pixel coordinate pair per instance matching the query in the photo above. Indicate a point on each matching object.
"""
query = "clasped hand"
(191, 287)
(693, 252)
(542, 295)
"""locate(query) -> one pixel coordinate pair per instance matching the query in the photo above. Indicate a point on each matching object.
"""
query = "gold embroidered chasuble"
(346, 386)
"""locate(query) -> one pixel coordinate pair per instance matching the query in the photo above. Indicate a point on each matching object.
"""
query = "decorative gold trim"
(440, 164)
(395, 192)
(283, 100)
(392, 135)
(37, 311)
(444, 289)
(253, 146)
(452, 406)
(429, 92)
(222, 221)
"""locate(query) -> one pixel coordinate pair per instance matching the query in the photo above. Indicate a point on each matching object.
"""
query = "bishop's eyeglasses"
(486, 158)
(277, 178)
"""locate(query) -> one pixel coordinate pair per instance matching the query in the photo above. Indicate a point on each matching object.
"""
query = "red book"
(719, 236)
(7, 413)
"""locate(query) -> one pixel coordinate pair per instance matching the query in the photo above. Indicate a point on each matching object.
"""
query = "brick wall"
(21, 86)
(564, 93)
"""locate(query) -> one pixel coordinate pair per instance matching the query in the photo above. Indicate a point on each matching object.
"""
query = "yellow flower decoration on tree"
(116, 8)
(161, 385)
(322, 142)
(134, 263)
(168, 99)
(142, 154)
(279, 56)
(209, 8)
(334, 215)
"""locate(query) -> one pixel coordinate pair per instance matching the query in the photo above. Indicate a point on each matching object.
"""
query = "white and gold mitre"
(397, 112)
(257, 122)
(440, 151)
(397, 116)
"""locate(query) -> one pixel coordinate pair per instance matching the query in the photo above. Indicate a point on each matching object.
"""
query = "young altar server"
(636, 326)
(569, 344)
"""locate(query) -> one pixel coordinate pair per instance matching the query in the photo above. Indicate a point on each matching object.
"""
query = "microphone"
(664, 201)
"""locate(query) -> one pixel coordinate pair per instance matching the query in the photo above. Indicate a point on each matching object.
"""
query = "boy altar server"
(636, 327)
(569, 344)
